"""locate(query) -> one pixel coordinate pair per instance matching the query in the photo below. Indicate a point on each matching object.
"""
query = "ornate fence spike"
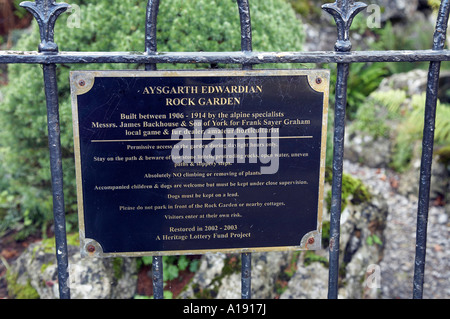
(343, 12)
(46, 12)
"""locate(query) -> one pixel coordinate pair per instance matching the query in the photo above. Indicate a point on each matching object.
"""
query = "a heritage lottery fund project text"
(184, 162)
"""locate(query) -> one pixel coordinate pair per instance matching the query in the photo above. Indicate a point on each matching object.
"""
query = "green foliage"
(18, 10)
(49, 244)
(412, 36)
(18, 291)
(325, 234)
(166, 295)
(9, 212)
(374, 115)
(113, 25)
(353, 190)
(434, 4)
(392, 100)
(443, 154)
(364, 78)
(172, 265)
(311, 257)
(308, 9)
(369, 77)
(214, 26)
(374, 239)
(355, 187)
(410, 131)
(394, 114)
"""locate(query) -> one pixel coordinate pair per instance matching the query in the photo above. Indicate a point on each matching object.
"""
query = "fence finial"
(343, 12)
(46, 12)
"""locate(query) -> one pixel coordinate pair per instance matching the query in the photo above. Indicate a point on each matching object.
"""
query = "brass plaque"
(187, 162)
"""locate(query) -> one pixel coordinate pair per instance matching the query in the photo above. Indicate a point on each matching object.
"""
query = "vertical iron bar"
(51, 94)
(427, 152)
(157, 277)
(246, 27)
(343, 12)
(425, 179)
(150, 31)
(336, 193)
(246, 276)
(151, 48)
(246, 46)
(46, 14)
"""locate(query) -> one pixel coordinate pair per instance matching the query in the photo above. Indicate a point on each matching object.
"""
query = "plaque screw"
(81, 82)
(90, 248)
(318, 80)
(311, 240)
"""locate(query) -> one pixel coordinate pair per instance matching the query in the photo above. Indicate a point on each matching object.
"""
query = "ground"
(10, 249)
(145, 284)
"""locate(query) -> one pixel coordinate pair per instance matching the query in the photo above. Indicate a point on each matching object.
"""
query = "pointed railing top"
(343, 12)
(46, 12)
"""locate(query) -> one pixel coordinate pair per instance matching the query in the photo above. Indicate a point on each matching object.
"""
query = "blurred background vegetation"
(200, 25)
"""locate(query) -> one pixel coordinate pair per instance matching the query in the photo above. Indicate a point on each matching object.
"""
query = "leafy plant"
(394, 114)
(172, 265)
(410, 131)
(374, 114)
(373, 239)
(412, 36)
(366, 80)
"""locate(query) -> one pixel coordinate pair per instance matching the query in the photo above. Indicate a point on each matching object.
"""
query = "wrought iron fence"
(46, 13)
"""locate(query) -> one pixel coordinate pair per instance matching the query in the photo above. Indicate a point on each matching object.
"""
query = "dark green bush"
(113, 25)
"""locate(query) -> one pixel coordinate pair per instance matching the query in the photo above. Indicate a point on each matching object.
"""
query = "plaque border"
(82, 81)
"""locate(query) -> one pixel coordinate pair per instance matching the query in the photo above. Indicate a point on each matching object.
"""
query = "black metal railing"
(46, 13)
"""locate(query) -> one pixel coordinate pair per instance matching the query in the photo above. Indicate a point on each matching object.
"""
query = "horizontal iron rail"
(235, 57)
